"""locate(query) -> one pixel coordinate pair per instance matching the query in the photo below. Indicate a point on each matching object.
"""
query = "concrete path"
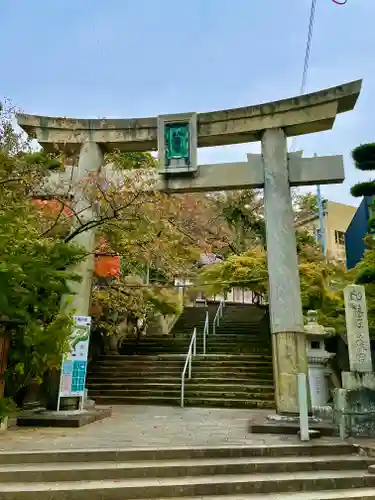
(148, 426)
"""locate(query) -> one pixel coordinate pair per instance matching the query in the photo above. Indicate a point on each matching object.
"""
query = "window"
(340, 238)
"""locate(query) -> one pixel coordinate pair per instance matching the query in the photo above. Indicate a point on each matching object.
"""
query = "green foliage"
(36, 348)
(370, 300)
(363, 189)
(158, 236)
(33, 268)
(364, 272)
(118, 308)
(305, 206)
(364, 156)
(304, 239)
(131, 160)
(7, 408)
(44, 160)
(243, 213)
(247, 270)
(322, 283)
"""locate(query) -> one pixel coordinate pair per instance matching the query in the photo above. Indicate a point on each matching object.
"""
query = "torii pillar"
(287, 326)
(274, 170)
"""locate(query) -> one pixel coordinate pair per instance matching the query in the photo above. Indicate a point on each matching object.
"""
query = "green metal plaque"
(177, 137)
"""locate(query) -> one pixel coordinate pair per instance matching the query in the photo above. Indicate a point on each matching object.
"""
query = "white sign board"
(357, 329)
(74, 364)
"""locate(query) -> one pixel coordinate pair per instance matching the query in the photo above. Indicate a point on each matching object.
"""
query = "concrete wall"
(337, 217)
(357, 230)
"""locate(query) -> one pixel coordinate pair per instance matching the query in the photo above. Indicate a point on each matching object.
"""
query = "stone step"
(316, 449)
(243, 327)
(263, 371)
(157, 488)
(241, 343)
(189, 401)
(357, 494)
(251, 334)
(189, 385)
(130, 364)
(115, 358)
(245, 341)
(226, 351)
(219, 377)
(130, 361)
(190, 392)
(211, 348)
(129, 379)
(253, 378)
(89, 471)
(181, 339)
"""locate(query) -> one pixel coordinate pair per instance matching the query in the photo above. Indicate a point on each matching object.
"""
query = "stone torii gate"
(274, 170)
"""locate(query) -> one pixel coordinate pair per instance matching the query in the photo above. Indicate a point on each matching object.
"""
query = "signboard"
(357, 331)
(177, 143)
(74, 364)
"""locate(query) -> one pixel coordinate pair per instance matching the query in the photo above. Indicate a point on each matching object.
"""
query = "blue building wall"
(355, 233)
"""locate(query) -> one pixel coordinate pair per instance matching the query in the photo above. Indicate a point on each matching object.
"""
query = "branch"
(54, 224)
(91, 224)
(13, 179)
(106, 199)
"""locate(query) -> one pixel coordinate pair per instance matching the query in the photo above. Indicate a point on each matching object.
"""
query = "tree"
(33, 267)
(243, 211)
(305, 206)
(364, 159)
(159, 238)
(322, 282)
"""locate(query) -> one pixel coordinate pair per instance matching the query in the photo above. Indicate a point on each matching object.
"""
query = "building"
(337, 218)
(357, 230)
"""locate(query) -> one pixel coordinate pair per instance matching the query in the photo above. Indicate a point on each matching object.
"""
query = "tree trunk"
(4, 350)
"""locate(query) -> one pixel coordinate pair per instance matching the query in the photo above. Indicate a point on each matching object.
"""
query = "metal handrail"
(191, 352)
(218, 315)
(206, 330)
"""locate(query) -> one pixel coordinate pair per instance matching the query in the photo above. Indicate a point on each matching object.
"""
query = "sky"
(135, 58)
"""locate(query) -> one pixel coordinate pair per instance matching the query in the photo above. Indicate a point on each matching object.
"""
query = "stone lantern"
(318, 358)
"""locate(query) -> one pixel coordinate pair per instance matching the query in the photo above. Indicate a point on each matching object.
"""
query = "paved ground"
(148, 426)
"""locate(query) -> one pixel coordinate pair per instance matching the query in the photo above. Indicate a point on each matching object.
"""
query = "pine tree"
(364, 159)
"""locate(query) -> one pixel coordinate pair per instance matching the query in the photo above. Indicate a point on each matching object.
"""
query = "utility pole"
(322, 236)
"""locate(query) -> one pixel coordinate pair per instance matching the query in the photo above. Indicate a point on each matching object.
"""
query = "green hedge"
(363, 188)
(364, 156)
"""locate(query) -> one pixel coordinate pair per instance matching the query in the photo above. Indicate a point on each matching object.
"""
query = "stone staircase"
(236, 372)
(330, 471)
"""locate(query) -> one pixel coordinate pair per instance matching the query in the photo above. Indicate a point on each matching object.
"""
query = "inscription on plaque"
(357, 329)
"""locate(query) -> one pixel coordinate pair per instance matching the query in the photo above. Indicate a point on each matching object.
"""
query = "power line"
(308, 47)
(306, 61)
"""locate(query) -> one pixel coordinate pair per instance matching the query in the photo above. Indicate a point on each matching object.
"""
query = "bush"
(363, 188)
(364, 156)
(7, 408)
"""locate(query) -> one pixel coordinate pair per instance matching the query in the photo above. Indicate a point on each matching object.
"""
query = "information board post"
(74, 364)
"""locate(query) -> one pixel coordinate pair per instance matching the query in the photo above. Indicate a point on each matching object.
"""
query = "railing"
(218, 316)
(187, 366)
(206, 330)
(303, 407)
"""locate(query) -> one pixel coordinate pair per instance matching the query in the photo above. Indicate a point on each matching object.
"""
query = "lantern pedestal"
(317, 358)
